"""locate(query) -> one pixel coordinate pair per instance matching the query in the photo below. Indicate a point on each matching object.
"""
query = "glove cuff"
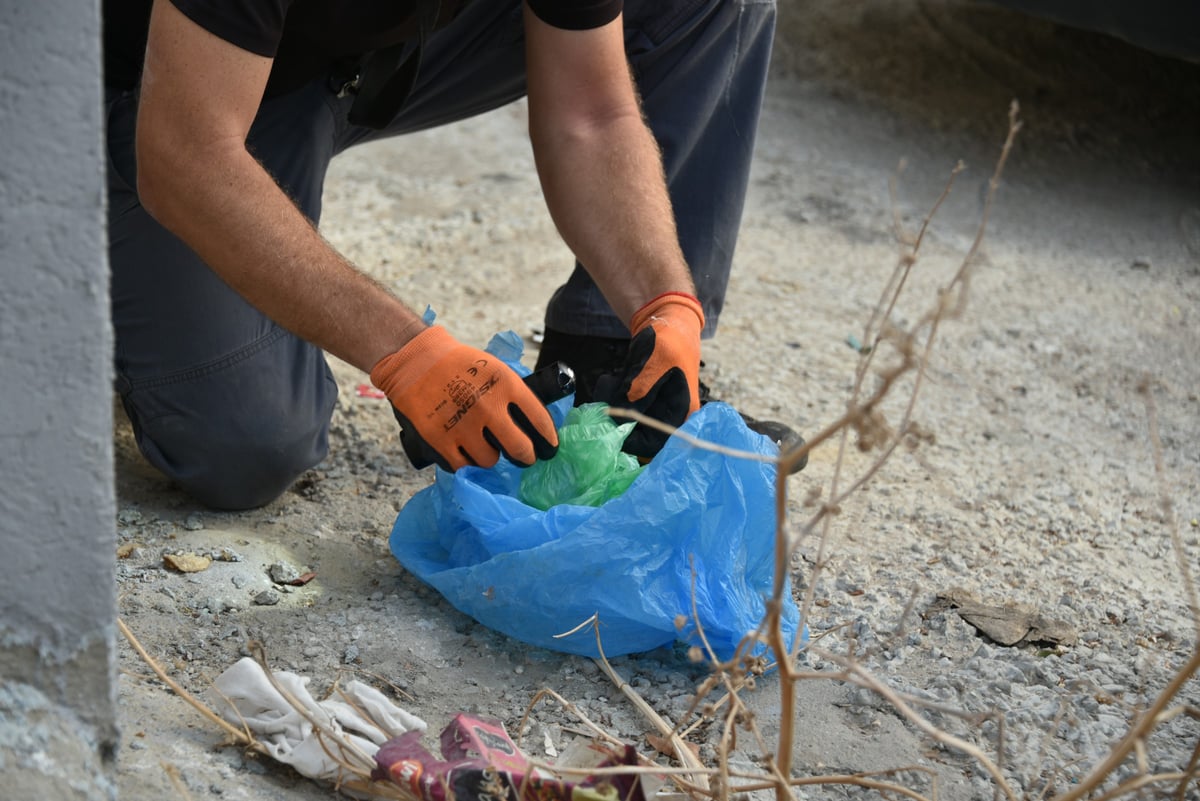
(412, 360)
(642, 317)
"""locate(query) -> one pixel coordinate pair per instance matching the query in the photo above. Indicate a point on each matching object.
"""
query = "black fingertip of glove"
(668, 401)
(542, 447)
(495, 443)
(490, 439)
(418, 451)
(641, 348)
(607, 389)
(613, 388)
(644, 442)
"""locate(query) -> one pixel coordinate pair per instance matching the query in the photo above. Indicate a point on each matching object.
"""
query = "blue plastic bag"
(534, 574)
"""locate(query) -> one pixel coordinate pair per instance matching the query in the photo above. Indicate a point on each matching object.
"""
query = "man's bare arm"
(600, 168)
(199, 97)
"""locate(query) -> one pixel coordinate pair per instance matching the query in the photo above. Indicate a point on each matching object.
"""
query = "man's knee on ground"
(235, 463)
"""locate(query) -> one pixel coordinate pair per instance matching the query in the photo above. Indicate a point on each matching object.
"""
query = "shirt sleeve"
(254, 25)
(576, 15)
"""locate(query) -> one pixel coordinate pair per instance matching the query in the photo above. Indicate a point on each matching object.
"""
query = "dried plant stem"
(176, 781)
(862, 677)
(240, 736)
(1044, 764)
(856, 779)
(1141, 729)
(570, 707)
(697, 778)
(365, 762)
(1189, 774)
(1137, 783)
(756, 782)
(1172, 522)
(873, 330)
(658, 425)
(857, 412)
(691, 777)
(698, 782)
(861, 781)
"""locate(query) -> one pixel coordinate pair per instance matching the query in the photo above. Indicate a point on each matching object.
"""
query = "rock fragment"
(283, 573)
(267, 598)
(1009, 623)
(186, 562)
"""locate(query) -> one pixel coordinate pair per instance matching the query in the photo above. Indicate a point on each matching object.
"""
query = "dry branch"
(859, 411)
(241, 737)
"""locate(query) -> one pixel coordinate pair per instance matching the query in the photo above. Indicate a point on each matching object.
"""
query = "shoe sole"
(782, 435)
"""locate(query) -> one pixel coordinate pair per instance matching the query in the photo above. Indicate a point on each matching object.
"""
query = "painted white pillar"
(57, 535)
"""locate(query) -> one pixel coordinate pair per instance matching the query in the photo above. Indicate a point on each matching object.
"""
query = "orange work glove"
(467, 405)
(661, 376)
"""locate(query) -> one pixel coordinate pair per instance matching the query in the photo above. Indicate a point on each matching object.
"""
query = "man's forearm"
(605, 189)
(226, 207)
(599, 165)
(199, 96)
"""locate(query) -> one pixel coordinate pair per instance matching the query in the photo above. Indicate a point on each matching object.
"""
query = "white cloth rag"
(352, 728)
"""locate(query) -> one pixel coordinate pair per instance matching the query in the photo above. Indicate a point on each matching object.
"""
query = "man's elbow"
(156, 175)
(171, 169)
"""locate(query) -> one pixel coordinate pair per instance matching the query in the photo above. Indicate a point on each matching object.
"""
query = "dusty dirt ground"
(1038, 487)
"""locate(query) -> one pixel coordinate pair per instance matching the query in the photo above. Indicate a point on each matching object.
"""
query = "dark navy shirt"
(306, 37)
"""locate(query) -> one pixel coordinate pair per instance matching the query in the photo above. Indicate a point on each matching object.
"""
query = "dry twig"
(239, 736)
(950, 304)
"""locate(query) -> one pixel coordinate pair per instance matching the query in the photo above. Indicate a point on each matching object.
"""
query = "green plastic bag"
(589, 468)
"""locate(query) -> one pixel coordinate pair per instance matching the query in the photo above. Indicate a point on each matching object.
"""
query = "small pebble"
(267, 598)
(283, 573)
(129, 516)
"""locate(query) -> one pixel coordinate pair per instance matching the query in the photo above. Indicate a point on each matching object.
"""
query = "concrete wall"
(57, 536)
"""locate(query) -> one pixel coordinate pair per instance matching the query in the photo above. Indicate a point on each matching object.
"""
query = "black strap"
(388, 75)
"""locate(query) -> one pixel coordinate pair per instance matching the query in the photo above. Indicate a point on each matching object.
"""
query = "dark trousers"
(233, 407)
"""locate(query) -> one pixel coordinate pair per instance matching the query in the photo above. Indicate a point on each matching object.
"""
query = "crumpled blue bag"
(535, 574)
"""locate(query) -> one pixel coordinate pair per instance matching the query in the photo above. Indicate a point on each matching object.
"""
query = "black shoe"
(592, 358)
(779, 433)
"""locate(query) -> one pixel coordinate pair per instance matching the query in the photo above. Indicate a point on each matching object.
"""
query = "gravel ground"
(1033, 484)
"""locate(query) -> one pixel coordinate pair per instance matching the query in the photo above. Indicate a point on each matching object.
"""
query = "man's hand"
(661, 373)
(467, 405)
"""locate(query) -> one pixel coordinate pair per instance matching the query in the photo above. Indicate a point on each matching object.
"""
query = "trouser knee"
(238, 435)
(235, 465)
